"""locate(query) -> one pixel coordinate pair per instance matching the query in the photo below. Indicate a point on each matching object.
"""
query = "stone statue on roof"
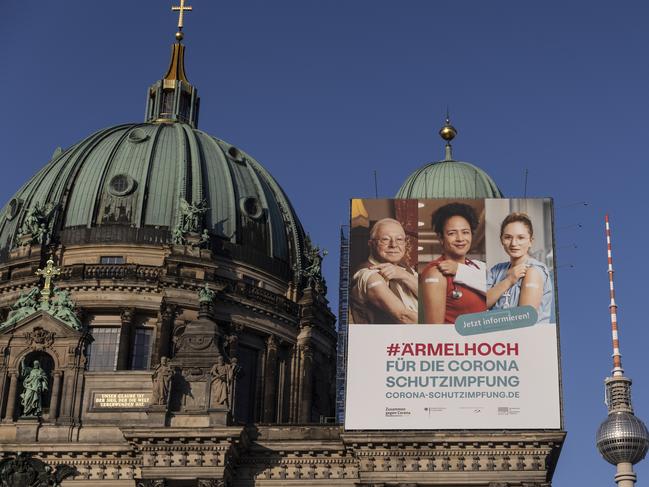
(26, 304)
(36, 225)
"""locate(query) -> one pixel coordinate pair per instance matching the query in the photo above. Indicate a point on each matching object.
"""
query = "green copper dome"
(449, 179)
(139, 183)
(161, 182)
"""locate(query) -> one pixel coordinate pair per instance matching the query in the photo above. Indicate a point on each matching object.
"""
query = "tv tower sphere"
(622, 437)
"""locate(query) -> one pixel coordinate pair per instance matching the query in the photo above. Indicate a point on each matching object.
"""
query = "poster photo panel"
(520, 249)
(383, 258)
(451, 265)
(495, 363)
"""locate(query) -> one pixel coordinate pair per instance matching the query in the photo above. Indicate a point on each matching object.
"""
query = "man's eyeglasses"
(385, 241)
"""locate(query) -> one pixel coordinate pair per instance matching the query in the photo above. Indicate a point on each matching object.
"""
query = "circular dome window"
(235, 154)
(137, 135)
(121, 185)
(13, 208)
(252, 207)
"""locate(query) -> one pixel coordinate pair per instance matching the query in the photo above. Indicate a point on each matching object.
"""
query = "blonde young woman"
(523, 281)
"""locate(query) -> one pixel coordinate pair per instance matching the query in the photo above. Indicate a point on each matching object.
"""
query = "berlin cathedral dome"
(139, 183)
(156, 278)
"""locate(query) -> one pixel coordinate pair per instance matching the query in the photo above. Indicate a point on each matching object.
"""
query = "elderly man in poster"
(384, 288)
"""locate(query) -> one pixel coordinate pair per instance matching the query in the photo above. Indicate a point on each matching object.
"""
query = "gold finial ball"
(179, 36)
(448, 132)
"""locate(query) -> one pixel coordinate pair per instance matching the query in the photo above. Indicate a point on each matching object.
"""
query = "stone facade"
(104, 425)
(230, 353)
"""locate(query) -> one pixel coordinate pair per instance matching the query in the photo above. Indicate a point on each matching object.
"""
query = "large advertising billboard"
(452, 315)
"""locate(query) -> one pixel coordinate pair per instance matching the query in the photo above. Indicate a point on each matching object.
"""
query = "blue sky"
(324, 93)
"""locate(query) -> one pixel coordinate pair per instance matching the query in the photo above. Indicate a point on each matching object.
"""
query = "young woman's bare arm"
(531, 289)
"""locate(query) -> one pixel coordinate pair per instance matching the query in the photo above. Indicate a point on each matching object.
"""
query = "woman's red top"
(471, 300)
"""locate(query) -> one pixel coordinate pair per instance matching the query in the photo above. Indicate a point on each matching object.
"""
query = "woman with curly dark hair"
(442, 297)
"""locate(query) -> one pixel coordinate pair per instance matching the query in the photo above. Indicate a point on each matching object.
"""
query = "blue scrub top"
(510, 298)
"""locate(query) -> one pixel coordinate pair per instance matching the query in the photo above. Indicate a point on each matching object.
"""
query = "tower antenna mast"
(622, 438)
(617, 356)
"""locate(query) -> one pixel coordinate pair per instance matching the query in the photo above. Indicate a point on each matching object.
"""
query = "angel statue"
(190, 214)
(25, 305)
(63, 308)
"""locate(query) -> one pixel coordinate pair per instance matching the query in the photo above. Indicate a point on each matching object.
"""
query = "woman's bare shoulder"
(432, 277)
(533, 275)
(431, 271)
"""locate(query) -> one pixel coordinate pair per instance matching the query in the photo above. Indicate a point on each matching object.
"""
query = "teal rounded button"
(496, 320)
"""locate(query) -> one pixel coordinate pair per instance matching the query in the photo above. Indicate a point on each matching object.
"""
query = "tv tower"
(622, 439)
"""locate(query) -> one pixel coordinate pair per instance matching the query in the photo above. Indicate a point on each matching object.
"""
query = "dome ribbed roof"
(449, 179)
(131, 180)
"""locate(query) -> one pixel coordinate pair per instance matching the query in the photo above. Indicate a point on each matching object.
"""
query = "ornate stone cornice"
(317, 455)
(90, 463)
(150, 437)
(249, 297)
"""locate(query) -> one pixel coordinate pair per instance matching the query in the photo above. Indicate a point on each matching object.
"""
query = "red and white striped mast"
(622, 439)
(617, 356)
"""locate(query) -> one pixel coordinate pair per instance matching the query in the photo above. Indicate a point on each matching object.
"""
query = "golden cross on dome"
(48, 274)
(181, 13)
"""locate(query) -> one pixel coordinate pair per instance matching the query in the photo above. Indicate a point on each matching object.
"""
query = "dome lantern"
(174, 98)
